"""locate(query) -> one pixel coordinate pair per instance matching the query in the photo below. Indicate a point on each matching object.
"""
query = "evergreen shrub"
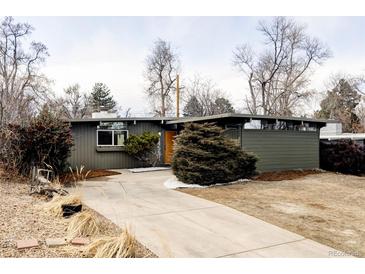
(202, 155)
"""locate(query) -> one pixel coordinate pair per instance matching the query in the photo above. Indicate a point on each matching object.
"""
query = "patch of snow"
(147, 169)
(241, 181)
(174, 183)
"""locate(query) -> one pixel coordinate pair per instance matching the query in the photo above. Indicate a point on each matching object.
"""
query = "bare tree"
(74, 103)
(128, 113)
(22, 85)
(162, 67)
(121, 112)
(203, 98)
(278, 77)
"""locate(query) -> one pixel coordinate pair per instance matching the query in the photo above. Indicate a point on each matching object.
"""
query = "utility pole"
(177, 96)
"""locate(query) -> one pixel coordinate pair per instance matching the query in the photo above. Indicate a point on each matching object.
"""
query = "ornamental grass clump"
(83, 224)
(204, 156)
(79, 175)
(122, 246)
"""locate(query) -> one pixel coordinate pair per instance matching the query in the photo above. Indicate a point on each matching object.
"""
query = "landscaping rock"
(22, 244)
(53, 242)
(80, 241)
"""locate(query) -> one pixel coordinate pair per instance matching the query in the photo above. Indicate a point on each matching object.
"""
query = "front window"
(120, 136)
(111, 137)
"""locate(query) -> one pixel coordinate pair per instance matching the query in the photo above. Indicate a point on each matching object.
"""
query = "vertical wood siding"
(85, 150)
(281, 150)
(277, 150)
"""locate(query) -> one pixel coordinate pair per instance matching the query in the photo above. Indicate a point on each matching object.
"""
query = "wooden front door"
(168, 146)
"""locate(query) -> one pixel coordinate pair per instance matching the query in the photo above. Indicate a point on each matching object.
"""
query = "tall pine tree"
(193, 108)
(101, 99)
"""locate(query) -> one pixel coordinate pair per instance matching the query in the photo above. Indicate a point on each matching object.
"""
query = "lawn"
(326, 207)
(23, 216)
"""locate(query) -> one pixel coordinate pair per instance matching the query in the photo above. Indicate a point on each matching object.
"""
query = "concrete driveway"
(174, 224)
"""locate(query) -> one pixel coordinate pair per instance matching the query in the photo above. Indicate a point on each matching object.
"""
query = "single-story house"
(332, 132)
(279, 142)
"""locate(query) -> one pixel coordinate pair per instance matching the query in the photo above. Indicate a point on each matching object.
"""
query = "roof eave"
(245, 117)
(96, 120)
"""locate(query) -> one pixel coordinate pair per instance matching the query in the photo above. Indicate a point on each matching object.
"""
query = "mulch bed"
(285, 175)
(22, 217)
(101, 173)
(67, 177)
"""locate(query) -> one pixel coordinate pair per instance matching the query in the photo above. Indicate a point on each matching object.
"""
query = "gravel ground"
(327, 207)
(22, 217)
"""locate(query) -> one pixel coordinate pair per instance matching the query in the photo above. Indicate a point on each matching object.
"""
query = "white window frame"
(112, 130)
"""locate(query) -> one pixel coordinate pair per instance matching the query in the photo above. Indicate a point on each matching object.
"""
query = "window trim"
(112, 130)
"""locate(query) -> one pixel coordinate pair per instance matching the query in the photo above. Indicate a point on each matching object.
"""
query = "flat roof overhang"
(244, 118)
(220, 118)
(127, 119)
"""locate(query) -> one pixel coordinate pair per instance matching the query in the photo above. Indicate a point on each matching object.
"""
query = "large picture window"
(107, 137)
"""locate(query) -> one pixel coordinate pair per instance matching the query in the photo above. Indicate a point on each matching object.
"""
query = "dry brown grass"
(83, 224)
(285, 175)
(325, 207)
(55, 205)
(122, 246)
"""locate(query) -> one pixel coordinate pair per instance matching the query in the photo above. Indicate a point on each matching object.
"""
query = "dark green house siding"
(282, 149)
(85, 152)
(276, 149)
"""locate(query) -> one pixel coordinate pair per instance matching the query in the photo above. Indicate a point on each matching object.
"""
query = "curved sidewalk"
(175, 224)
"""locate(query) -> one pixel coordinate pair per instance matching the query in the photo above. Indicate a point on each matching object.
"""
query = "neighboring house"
(333, 132)
(280, 143)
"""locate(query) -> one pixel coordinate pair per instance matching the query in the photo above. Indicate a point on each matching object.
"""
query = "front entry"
(168, 145)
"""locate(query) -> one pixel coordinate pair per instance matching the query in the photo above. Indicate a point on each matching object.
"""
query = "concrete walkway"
(175, 224)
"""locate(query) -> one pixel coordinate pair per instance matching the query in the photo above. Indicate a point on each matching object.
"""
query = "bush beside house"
(144, 147)
(202, 155)
(45, 140)
(345, 156)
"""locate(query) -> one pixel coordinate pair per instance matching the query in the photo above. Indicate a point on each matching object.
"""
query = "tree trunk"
(253, 96)
(162, 99)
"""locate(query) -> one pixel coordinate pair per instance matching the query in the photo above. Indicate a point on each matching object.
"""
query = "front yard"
(326, 207)
(23, 217)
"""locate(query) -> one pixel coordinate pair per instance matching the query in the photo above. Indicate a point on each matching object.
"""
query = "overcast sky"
(112, 50)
